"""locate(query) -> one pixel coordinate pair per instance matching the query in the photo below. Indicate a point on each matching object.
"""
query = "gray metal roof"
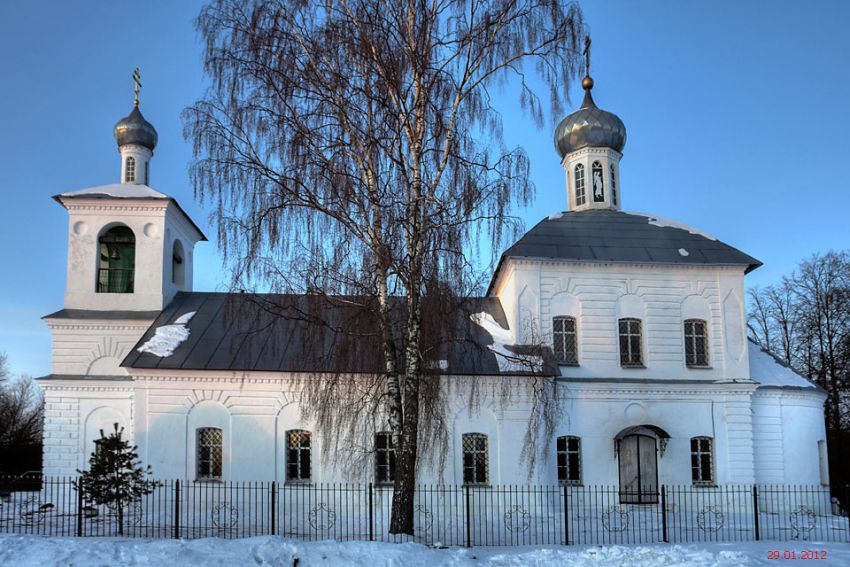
(604, 235)
(103, 315)
(134, 129)
(312, 333)
(589, 127)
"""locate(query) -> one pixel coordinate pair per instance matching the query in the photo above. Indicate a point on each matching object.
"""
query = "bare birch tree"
(351, 149)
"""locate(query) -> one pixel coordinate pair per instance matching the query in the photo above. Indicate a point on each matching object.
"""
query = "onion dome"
(134, 129)
(589, 127)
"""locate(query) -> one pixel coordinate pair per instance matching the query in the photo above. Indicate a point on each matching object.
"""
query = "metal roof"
(604, 235)
(314, 333)
(103, 315)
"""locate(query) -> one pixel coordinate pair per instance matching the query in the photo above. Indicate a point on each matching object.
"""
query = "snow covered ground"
(23, 551)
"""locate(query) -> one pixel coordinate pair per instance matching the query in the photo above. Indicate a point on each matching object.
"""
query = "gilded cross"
(587, 55)
(137, 78)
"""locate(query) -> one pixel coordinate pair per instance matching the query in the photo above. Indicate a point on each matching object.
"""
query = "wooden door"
(638, 470)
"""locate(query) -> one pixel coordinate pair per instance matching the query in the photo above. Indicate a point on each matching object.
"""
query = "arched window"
(117, 264)
(130, 169)
(597, 184)
(613, 186)
(564, 341)
(630, 343)
(569, 460)
(696, 343)
(209, 441)
(475, 459)
(147, 173)
(298, 448)
(579, 181)
(702, 468)
(178, 269)
(384, 458)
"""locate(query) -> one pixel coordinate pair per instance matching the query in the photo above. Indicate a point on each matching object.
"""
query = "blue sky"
(737, 117)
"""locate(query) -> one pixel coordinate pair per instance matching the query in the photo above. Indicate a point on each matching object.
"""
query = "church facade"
(642, 319)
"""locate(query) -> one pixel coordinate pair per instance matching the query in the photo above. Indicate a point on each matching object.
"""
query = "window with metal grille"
(384, 458)
(613, 186)
(298, 448)
(130, 169)
(475, 459)
(696, 342)
(579, 181)
(630, 343)
(117, 264)
(596, 183)
(209, 441)
(701, 461)
(569, 460)
(564, 340)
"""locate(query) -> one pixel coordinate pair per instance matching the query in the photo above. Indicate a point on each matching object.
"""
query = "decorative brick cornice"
(126, 387)
(124, 208)
(95, 326)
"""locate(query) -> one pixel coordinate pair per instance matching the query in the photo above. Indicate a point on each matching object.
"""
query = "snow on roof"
(658, 220)
(767, 370)
(509, 360)
(168, 337)
(119, 190)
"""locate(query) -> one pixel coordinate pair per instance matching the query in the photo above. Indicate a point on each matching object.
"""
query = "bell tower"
(130, 246)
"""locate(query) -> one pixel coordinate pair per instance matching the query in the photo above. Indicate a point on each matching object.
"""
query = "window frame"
(699, 469)
(579, 182)
(201, 446)
(629, 335)
(474, 455)
(115, 280)
(564, 333)
(385, 459)
(298, 450)
(129, 170)
(613, 186)
(690, 338)
(570, 477)
(596, 166)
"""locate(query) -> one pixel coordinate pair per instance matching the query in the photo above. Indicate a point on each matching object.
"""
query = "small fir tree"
(115, 476)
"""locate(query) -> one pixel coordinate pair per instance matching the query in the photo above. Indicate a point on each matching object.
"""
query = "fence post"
(756, 511)
(176, 509)
(371, 516)
(566, 517)
(468, 519)
(845, 504)
(79, 508)
(273, 502)
(664, 513)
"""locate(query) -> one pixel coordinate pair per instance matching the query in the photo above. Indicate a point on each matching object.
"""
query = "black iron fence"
(443, 514)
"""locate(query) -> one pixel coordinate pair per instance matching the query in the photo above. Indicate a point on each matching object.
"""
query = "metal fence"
(443, 514)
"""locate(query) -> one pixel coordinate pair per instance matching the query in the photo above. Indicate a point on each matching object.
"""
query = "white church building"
(643, 319)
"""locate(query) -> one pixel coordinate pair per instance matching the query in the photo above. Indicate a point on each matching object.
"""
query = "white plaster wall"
(661, 296)
(789, 426)
(93, 348)
(75, 411)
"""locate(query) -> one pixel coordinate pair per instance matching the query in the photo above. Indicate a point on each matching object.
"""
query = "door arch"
(638, 451)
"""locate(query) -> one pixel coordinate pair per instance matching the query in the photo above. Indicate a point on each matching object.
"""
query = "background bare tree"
(21, 419)
(351, 150)
(805, 320)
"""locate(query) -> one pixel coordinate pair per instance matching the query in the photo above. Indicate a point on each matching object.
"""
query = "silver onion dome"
(134, 129)
(589, 127)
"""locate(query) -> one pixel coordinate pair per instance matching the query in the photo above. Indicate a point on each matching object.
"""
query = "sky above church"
(736, 111)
